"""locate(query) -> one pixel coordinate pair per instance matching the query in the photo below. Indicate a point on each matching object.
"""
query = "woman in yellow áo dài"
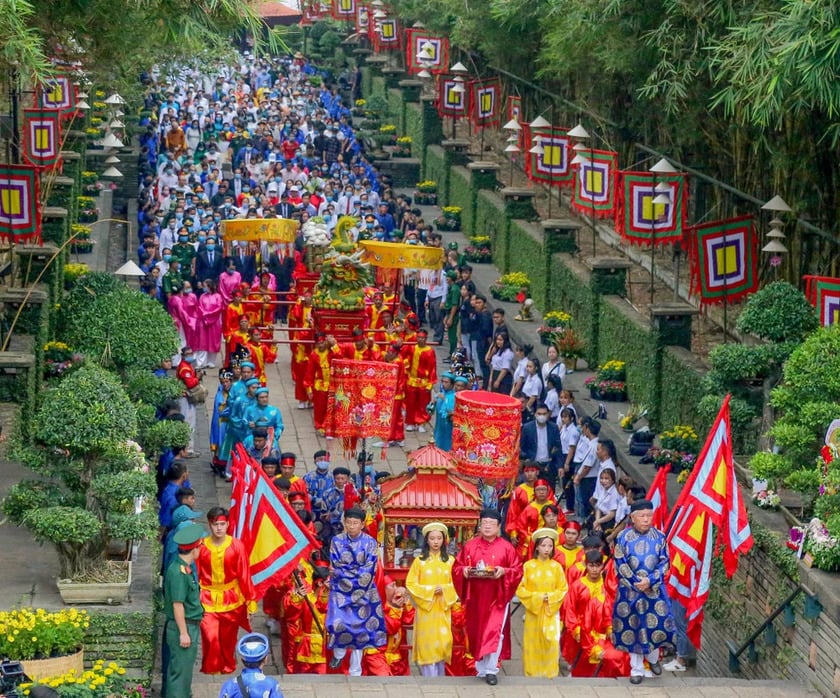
(429, 582)
(541, 591)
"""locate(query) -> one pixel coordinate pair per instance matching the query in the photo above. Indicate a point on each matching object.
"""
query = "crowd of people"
(259, 140)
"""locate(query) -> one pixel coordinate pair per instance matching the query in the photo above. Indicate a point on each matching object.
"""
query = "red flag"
(711, 497)
(659, 496)
(270, 530)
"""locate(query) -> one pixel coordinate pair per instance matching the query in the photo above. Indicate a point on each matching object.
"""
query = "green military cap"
(189, 537)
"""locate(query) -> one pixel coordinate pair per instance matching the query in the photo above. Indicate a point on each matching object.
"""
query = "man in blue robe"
(261, 415)
(320, 482)
(642, 619)
(355, 619)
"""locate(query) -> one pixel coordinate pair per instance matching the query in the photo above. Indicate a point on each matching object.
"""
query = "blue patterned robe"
(642, 621)
(354, 609)
(218, 424)
(319, 483)
(444, 407)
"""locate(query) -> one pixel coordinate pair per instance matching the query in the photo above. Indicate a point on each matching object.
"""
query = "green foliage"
(329, 42)
(141, 526)
(144, 386)
(123, 328)
(778, 313)
(87, 289)
(812, 373)
(122, 487)
(23, 497)
(742, 417)
(768, 466)
(85, 413)
(163, 434)
(63, 525)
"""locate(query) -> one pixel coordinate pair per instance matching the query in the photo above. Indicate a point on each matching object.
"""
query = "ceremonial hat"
(462, 379)
(246, 364)
(574, 525)
(544, 533)
(436, 526)
(253, 647)
(641, 505)
(542, 483)
(262, 391)
(189, 537)
(530, 466)
(294, 496)
(449, 375)
(251, 381)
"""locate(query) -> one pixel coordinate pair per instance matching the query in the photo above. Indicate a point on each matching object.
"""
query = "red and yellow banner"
(433, 49)
(260, 229)
(485, 102)
(397, 255)
(42, 136)
(20, 211)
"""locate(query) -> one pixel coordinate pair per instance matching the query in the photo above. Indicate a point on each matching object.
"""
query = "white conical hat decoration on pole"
(539, 122)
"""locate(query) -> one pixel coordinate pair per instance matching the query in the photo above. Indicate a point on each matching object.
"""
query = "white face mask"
(541, 419)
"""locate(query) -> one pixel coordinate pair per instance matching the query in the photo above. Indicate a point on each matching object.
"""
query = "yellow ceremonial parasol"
(260, 230)
(397, 255)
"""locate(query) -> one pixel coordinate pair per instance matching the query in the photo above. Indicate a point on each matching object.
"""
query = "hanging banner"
(824, 294)
(57, 93)
(313, 10)
(42, 136)
(20, 213)
(434, 49)
(361, 399)
(344, 10)
(363, 14)
(594, 191)
(486, 428)
(386, 36)
(262, 229)
(452, 102)
(514, 108)
(395, 255)
(642, 222)
(724, 260)
(485, 102)
(553, 165)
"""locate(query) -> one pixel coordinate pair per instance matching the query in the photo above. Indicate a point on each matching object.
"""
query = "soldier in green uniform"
(183, 610)
(451, 307)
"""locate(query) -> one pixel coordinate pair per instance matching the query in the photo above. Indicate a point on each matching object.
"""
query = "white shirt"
(608, 500)
(542, 445)
(532, 386)
(569, 437)
(552, 401)
(622, 510)
(559, 369)
(503, 360)
(519, 371)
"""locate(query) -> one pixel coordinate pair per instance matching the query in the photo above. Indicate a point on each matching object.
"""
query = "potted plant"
(91, 485)
(478, 251)
(822, 546)
(403, 147)
(767, 499)
(628, 421)
(426, 193)
(509, 286)
(88, 213)
(359, 108)
(609, 382)
(60, 359)
(570, 346)
(387, 135)
(90, 183)
(73, 272)
(450, 219)
(554, 322)
(100, 681)
(46, 643)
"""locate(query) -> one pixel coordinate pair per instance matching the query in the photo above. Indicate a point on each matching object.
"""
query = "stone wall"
(807, 651)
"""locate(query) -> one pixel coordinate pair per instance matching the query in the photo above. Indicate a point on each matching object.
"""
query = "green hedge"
(396, 109)
(570, 292)
(525, 253)
(126, 638)
(436, 170)
(490, 220)
(682, 387)
(460, 194)
(414, 128)
(622, 336)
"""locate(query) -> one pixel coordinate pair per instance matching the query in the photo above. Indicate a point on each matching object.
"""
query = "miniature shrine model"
(430, 491)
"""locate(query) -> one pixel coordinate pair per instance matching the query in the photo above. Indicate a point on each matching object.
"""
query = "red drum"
(485, 434)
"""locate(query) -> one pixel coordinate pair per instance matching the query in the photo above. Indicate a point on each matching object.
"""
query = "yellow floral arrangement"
(452, 210)
(78, 230)
(427, 186)
(100, 681)
(93, 132)
(515, 278)
(58, 346)
(404, 140)
(100, 105)
(479, 240)
(99, 93)
(28, 633)
(387, 128)
(557, 318)
(682, 438)
(361, 102)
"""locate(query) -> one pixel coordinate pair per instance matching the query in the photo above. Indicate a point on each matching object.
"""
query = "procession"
(296, 256)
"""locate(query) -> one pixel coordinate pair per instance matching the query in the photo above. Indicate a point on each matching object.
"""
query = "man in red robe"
(300, 336)
(587, 617)
(227, 595)
(421, 366)
(486, 574)
(521, 496)
(360, 349)
(318, 378)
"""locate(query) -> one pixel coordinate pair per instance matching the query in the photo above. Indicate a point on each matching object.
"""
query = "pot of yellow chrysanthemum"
(46, 643)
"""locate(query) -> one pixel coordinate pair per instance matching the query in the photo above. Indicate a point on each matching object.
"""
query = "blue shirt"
(256, 683)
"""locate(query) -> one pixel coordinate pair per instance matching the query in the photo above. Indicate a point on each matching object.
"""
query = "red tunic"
(186, 374)
(350, 352)
(486, 600)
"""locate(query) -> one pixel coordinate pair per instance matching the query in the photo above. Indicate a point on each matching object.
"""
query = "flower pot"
(93, 592)
(546, 340)
(571, 363)
(38, 669)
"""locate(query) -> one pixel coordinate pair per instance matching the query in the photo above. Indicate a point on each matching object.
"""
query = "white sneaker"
(421, 429)
(301, 405)
(673, 665)
(409, 427)
(379, 444)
